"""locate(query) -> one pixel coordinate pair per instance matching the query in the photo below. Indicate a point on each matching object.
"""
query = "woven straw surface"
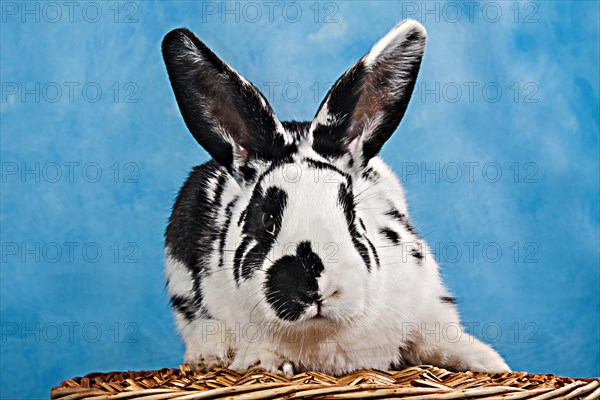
(422, 382)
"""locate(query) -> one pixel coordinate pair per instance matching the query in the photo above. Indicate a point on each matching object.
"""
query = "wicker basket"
(422, 382)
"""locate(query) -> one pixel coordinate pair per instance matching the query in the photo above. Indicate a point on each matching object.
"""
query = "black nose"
(291, 284)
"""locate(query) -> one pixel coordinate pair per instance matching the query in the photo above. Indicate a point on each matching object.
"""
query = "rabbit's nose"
(318, 300)
(330, 293)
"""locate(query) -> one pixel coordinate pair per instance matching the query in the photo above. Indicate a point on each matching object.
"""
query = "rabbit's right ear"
(226, 114)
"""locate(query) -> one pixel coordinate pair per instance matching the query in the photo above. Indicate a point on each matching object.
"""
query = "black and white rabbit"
(292, 248)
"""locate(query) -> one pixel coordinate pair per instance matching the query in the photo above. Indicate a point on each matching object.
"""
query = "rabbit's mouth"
(317, 312)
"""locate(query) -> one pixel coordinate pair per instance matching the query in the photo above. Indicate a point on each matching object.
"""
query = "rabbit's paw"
(473, 355)
(265, 359)
(205, 362)
(490, 362)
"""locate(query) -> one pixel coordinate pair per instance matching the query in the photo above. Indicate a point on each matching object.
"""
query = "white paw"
(480, 357)
(203, 362)
(267, 360)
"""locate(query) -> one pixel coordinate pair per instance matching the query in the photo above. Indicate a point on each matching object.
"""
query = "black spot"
(448, 299)
(370, 174)
(390, 234)
(362, 224)
(275, 164)
(184, 305)
(216, 203)
(346, 200)
(194, 216)
(291, 283)
(242, 216)
(363, 251)
(225, 229)
(374, 251)
(398, 216)
(326, 166)
(237, 260)
(272, 202)
(248, 173)
(416, 253)
(254, 259)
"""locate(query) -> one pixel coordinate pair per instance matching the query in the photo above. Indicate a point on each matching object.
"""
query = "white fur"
(390, 315)
(179, 277)
(373, 316)
(395, 37)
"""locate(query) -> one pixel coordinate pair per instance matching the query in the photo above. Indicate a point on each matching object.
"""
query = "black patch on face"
(390, 235)
(448, 299)
(271, 203)
(398, 216)
(291, 284)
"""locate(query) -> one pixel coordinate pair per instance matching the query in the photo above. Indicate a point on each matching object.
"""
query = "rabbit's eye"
(268, 222)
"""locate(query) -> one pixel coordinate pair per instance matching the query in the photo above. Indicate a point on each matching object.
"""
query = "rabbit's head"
(294, 234)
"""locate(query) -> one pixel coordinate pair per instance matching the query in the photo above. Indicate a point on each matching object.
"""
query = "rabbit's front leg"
(206, 347)
(465, 354)
(250, 355)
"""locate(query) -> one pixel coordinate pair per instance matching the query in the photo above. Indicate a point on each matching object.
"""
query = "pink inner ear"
(242, 153)
(353, 144)
(355, 132)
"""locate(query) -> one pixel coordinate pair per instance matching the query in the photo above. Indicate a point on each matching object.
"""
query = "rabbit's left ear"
(366, 104)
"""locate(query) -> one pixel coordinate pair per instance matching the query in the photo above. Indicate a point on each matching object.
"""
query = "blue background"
(63, 316)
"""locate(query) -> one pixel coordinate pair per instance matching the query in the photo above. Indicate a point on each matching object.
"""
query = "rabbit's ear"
(227, 115)
(366, 104)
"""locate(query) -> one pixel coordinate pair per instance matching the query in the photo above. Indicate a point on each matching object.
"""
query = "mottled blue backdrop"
(498, 150)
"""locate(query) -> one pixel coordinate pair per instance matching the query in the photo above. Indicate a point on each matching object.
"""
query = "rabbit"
(292, 249)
